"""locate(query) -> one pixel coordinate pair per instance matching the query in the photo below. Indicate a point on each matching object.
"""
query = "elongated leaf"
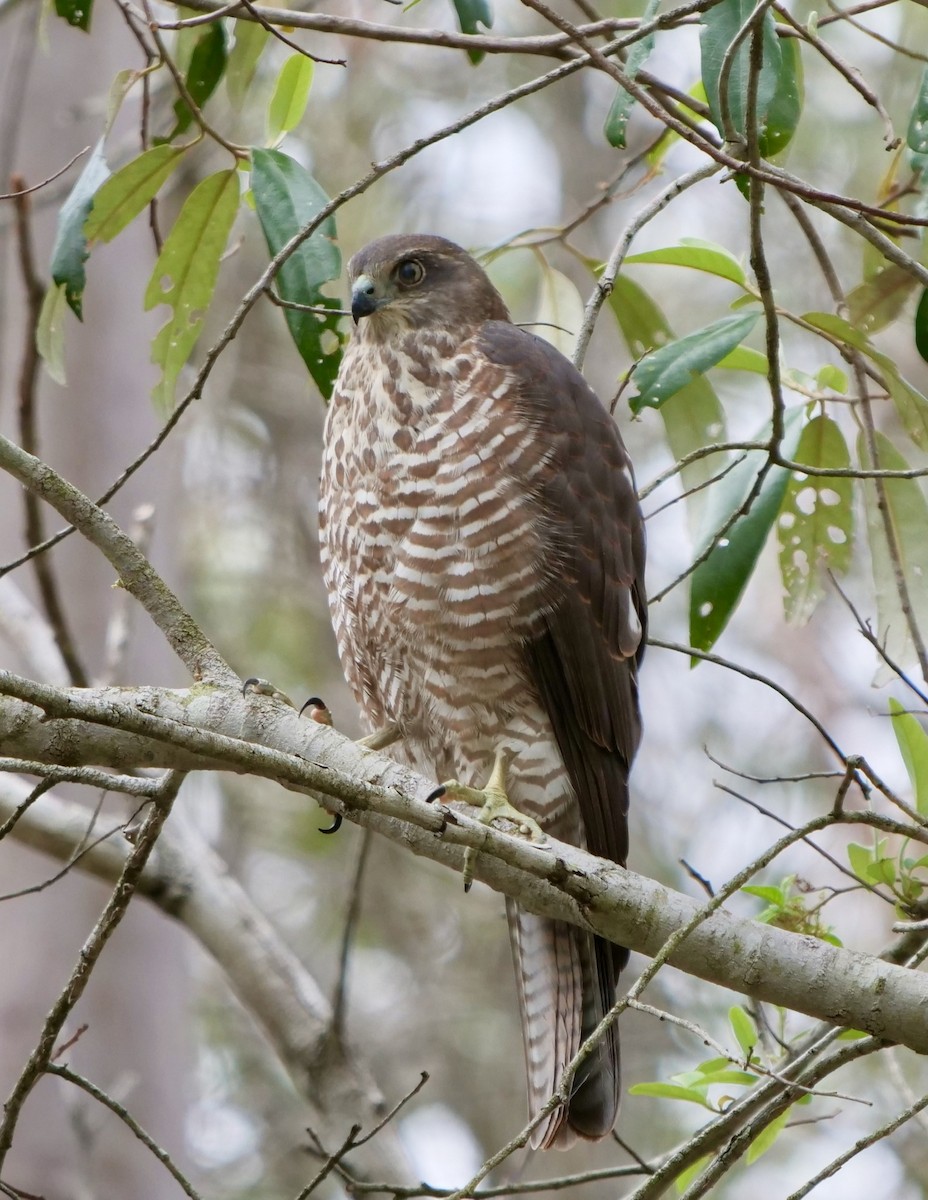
(908, 517)
(913, 745)
(287, 198)
(291, 94)
(207, 64)
(860, 858)
(768, 1135)
(744, 358)
(670, 1091)
(126, 193)
(70, 250)
(779, 88)
(617, 118)
(694, 417)
(49, 333)
(185, 274)
(75, 12)
(911, 405)
(744, 1029)
(559, 312)
(700, 256)
(663, 372)
(250, 40)
(719, 582)
(873, 304)
(471, 14)
(815, 525)
(916, 137)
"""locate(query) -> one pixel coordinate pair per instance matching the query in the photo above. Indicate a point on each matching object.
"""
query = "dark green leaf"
(719, 581)
(779, 87)
(663, 372)
(287, 198)
(916, 137)
(70, 250)
(75, 12)
(921, 326)
(207, 64)
(471, 14)
(617, 117)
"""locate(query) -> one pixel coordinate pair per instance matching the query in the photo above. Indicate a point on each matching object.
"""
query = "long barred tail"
(566, 982)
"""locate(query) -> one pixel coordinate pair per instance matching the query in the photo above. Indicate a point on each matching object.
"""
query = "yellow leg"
(494, 805)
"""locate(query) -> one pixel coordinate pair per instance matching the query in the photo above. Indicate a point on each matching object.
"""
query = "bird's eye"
(410, 272)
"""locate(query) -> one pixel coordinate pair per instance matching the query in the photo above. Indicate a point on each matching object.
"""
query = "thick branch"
(216, 729)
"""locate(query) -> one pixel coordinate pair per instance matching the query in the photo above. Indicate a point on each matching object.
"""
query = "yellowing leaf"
(185, 274)
(49, 334)
(291, 94)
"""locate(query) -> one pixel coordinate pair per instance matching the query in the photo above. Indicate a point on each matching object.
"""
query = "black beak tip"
(362, 305)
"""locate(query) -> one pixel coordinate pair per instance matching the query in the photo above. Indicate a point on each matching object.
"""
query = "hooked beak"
(364, 298)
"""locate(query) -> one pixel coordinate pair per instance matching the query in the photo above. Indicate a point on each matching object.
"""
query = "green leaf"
(617, 118)
(767, 1136)
(742, 1078)
(872, 305)
(185, 274)
(779, 86)
(559, 311)
(663, 372)
(921, 326)
(291, 94)
(907, 512)
(125, 194)
(719, 581)
(207, 64)
(699, 255)
(913, 745)
(250, 40)
(671, 1091)
(831, 378)
(911, 405)
(744, 358)
(49, 333)
(916, 137)
(860, 858)
(815, 526)
(471, 14)
(75, 12)
(773, 895)
(743, 1028)
(287, 198)
(693, 418)
(70, 251)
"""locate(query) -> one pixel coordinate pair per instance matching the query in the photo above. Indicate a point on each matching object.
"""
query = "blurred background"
(234, 490)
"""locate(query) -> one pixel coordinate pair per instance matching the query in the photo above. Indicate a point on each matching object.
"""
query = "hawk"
(483, 551)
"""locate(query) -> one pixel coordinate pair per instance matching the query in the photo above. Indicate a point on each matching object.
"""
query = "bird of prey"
(483, 551)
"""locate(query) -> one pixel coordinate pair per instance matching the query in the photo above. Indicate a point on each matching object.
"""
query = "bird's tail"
(567, 981)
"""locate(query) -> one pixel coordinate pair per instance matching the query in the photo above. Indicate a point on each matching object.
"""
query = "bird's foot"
(264, 687)
(494, 805)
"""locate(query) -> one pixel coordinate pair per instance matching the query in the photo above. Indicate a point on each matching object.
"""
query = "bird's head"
(418, 281)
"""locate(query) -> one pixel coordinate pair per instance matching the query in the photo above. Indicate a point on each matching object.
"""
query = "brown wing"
(584, 659)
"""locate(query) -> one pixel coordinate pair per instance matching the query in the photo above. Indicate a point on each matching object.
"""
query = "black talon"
(320, 711)
(436, 795)
(250, 682)
(335, 826)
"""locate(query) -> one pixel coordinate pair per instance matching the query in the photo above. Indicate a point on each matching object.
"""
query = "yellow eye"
(409, 272)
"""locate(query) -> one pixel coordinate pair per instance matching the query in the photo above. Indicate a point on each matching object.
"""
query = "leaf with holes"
(75, 12)
(913, 746)
(185, 275)
(287, 198)
(616, 121)
(663, 372)
(720, 579)
(815, 525)
(124, 195)
(290, 97)
(70, 251)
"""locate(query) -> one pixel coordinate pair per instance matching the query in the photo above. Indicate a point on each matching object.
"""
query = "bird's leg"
(493, 802)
